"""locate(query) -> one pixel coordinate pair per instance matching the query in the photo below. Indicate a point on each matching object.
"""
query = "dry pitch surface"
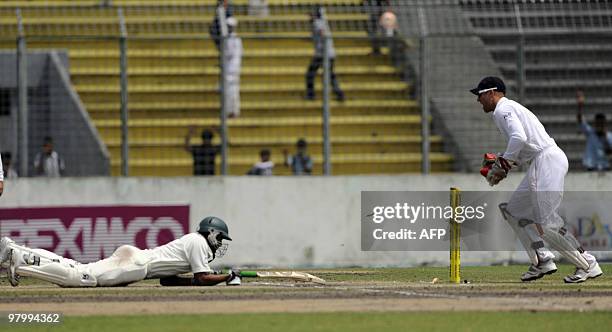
(348, 290)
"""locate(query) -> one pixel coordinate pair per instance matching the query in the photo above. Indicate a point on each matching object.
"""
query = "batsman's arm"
(199, 279)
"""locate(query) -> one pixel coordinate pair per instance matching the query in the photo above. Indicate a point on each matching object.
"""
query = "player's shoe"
(5, 250)
(11, 273)
(538, 271)
(581, 275)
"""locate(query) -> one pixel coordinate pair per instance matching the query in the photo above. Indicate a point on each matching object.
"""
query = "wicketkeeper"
(532, 209)
(190, 253)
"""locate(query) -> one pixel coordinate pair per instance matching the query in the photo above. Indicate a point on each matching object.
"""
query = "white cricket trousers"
(126, 265)
(540, 193)
(232, 95)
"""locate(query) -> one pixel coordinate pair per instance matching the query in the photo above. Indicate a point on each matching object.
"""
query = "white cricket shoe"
(4, 249)
(581, 275)
(538, 271)
(11, 273)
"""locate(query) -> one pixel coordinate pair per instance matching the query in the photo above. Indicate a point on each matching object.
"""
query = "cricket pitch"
(384, 290)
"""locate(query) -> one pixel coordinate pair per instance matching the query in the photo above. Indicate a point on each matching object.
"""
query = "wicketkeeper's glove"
(495, 168)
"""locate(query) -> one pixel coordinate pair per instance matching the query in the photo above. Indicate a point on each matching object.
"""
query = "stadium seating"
(173, 83)
(568, 46)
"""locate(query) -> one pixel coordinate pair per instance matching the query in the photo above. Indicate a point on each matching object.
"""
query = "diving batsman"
(190, 253)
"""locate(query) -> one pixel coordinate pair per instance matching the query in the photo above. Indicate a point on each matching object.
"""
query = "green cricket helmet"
(214, 225)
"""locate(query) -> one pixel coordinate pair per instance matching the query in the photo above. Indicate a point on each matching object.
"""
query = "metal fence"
(141, 83)
(545, 51)
(152, 88)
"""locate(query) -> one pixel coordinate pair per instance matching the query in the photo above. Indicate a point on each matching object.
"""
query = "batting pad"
(59, 274)
(38, 256)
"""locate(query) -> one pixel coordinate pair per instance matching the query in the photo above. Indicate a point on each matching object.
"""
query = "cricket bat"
(295, 275)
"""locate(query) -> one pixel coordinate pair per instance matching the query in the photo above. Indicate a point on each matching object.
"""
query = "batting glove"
(233, 278)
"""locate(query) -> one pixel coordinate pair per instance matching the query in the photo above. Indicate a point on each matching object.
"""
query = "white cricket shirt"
(525, 133)
(189, 253)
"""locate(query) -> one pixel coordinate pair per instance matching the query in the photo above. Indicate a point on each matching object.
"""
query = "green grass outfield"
(492, 275)
(371, 321)
(502, 281)
(501, 277)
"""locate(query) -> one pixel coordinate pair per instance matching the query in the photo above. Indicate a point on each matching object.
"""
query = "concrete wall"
(276, 221)
(37, 62)
(71, 127)
(54, 109)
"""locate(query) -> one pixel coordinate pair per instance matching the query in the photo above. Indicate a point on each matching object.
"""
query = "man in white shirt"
(233, 61)
(264, 167)
(7, 165)
(48, 162)
(532, 209)
(190, 253)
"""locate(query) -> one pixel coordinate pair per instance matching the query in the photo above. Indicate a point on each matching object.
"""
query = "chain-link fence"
(133, 87)
(548, 53)
(545, 51)
(148, 80)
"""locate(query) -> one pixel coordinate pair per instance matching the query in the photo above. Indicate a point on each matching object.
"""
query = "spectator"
(48, 162)
(388, 23)
(263, 167)
(374, 8)
(389, 26)
(319, 30)
(215, 29)
(598, 139)
(233, 60)
(9, 172)
(259, 8)
(300, 163)
(203, 155)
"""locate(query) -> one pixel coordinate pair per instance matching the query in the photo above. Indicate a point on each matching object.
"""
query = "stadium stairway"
(173, 74)
(568, 46)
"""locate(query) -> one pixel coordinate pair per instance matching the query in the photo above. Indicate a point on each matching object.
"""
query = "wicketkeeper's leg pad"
(528, 235)
(566, 244)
